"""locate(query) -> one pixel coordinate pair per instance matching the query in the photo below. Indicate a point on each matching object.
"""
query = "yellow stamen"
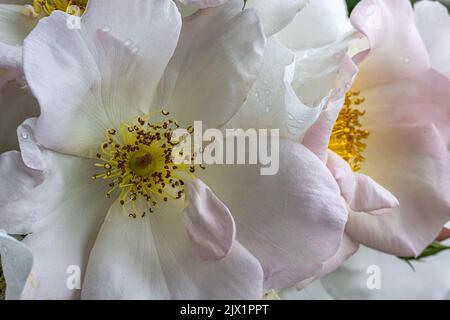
(347, 136)
(42, 8)
(138, 162)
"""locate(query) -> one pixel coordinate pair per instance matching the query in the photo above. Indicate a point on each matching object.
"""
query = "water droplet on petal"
(24, 135)
(267, 109)
(135, 49)
(127, 43)
(290, 116)
(407, 60)
(106, 28)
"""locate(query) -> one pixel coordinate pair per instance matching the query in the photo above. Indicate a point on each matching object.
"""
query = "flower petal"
(209, 223)
(413, 163)
(10, 57)
(16, 261)
(313, 286)
(292, 221)
(272, 102)
(14, 26)
(213, 68)
(433, 23)
(201, 4)
(152, 260)
(276, 14)
(71, 207)
(90, 79)
(317, 138)
(397, 50)
(21, 175)
(328, 19)
(421, 100)
(16, 105)
(361, 192)
(430, 280)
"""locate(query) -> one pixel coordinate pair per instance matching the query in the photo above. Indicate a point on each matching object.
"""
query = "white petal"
(150, 258)
(201, 4)
(14, 26)
(71, 207)
(16, 260)
(433, 23)
(276, 14)
(10, 57)
(90, 79)
(284, 219)
(213, 68)
(272, 102)
(320, 23)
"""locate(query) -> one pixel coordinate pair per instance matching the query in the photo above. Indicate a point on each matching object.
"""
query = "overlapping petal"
(292, 222)
(417, 172)
(152, 259)
(213, 68)
(96, 77)
(16, 260)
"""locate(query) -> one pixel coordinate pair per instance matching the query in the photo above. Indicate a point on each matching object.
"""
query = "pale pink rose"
(238, 234)
(408, 117)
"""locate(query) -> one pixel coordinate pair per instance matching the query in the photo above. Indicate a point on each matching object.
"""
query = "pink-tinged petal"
(16, 261)
(201, 4)
(16, 105)
(93, 78)
(317, 137)
(443, 235)
(421, 100)
(397, 50)
(347, 248)
(360, 192)
(213, 67)
(209, 223)
(292, 222)
(152, 259)
(413, 163)
(71, 208)
(433, 23)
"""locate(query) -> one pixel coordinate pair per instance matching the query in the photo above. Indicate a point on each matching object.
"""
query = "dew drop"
(106, 28)
(135, 50)
(24, 135)
(127, 43)
(290, 116)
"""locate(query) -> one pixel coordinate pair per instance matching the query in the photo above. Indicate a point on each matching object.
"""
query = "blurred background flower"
(352, 3)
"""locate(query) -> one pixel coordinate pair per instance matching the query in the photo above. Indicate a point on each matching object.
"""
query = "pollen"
(137, 161)
(42, 8)
(348, 136)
